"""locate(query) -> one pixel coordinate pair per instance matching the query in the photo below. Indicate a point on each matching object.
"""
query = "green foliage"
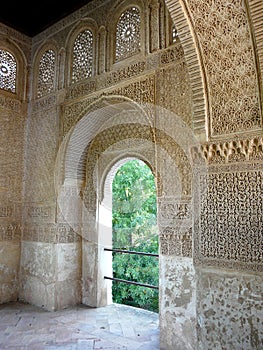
(135, 228)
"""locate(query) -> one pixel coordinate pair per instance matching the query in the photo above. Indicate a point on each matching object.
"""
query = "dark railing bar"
(131, 282)
(130, 252)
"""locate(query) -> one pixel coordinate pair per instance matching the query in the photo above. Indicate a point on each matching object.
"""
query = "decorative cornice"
(229, 151)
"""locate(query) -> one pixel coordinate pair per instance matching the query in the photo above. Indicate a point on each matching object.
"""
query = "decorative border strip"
(192, 56)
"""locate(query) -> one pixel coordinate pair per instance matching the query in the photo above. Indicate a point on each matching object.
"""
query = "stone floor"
(24, 326)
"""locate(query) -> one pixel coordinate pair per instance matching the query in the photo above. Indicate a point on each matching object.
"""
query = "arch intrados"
(175, 152)
(90, 123)
(114, 165)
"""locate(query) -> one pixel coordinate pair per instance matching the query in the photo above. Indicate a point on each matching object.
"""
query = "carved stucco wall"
(50, 122)
(228, 243)
(211, 80)
(230, 239)
(13, 111)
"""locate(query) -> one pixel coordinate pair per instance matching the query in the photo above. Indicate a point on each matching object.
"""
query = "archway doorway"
(165, 146)
(135, 236)
(133, 250)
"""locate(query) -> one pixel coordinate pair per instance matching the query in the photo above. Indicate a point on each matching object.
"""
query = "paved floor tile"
(114, 327)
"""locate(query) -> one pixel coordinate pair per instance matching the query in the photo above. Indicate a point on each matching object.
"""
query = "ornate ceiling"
(31, 18)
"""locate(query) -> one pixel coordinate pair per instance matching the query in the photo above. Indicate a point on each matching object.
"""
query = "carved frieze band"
(39, 213)
(50, 233)
(9, 211)
(141, 90)
(6, 211)
(175, 226)
(10, 231)
(171, 211)
(176, 243)
(112, 78)
(10, 104)
(125, 73)
(44, 103)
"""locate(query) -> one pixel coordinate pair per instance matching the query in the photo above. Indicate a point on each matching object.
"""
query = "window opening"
(8, 68)
(128, 34)
(135, 237)
(46, 74)
(82, 56)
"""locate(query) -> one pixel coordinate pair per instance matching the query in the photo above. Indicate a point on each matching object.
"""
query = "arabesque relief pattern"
(228, 206)
(176, 76)
(135, 82)
(227, 50)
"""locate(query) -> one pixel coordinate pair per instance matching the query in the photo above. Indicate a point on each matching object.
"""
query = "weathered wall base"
(95, 288)
(177, 303)
(68, 286)
(9, 271)
(230, 310)
(50, 274)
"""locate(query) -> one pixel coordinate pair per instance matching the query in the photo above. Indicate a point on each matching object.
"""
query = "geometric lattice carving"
(128, 34)
(82, 56)
(227, 50)
(7, 71)
(46, 73)
(229, 217)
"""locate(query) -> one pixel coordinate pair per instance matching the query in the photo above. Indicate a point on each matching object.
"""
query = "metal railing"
(126, 281)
